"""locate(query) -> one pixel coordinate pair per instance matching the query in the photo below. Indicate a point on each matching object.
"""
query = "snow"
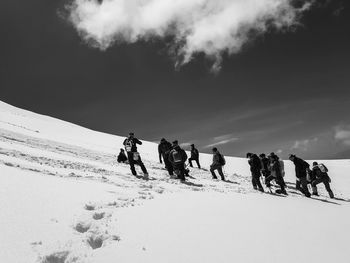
(64, 198)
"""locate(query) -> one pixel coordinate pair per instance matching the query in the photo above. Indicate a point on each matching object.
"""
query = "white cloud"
(212, 27)
(303, 144)
(342, 134)
(221, 140)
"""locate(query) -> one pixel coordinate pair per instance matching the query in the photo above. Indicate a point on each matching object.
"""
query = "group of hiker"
(264, 169)
(272, 168)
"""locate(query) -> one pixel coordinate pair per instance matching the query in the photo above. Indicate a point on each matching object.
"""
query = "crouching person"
(320, 175)
(178, 157)
(218, 163)
(276, 174)
(122, 157)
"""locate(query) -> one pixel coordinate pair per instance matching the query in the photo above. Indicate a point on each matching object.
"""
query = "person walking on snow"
(194, 156)
(276, 174)
(265, 165)
(122, 157)
(320, 175)
(301, 169)
(134, 157)
(255, 168)
(178, 157)
(218, 163)
(164, 149)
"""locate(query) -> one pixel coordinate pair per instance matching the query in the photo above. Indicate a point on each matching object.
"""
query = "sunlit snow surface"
(64, 198)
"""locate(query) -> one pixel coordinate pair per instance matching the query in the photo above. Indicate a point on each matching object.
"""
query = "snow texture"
(64, 198)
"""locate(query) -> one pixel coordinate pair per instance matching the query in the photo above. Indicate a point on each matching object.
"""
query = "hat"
(315, 163)
(215, 149)
(249, 155)
(192, 145)
(291, 156)
(163, 140)
(176, 142)
(262, 155)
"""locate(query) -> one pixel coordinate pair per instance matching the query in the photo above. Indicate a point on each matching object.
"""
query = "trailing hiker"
(194, 156)
(301, 169)
(218, 163)
(255, 168)
(164, 149)
(320, 175)
(276, 171)
(178, 157)
(122, 157)
(134, 157)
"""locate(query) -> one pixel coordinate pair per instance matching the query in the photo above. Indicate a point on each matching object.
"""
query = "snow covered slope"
(64, 198)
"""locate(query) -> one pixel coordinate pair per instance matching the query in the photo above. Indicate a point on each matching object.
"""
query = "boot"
(331, 195)
(314, 190)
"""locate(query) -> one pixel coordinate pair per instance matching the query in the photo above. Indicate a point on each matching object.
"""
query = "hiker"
(218, 163)
(194, 156)
(178, 157)
(320, 175)
(164, 149)
(255, 167)
(265, 165)
(276, 173)
(301, 169)
(134, 157)
(122, 157)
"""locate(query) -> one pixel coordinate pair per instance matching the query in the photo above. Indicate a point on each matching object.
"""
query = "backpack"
(282, 167)
(177, 156)
(323, 168)
(128, 145)
(222, 160)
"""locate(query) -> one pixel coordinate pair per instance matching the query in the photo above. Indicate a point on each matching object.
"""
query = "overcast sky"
(247, 78)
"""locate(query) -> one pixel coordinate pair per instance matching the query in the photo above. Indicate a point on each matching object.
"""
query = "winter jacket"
(194, 153)
(255, 164)
(163, 149)
(132, 142)
(300, 167)
(275, 169)
(318, 174)
(181, 152)
(265, 163)
(216, 159)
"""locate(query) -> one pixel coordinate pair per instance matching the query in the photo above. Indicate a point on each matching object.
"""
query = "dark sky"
(285, 92)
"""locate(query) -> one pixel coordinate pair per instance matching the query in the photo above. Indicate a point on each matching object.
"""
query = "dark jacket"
(255, 164)
(177, 150)
(318, 174)
(275, 169)
(132, 142)
(216, 159)
(163, 149)
(265, 163)
(300, 167)
(194, 153)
